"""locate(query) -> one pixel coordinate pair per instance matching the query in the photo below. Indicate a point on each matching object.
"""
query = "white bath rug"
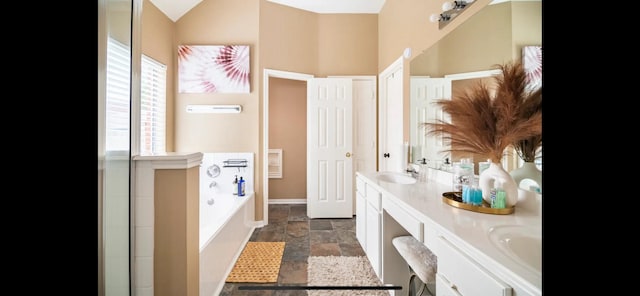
(342, 271)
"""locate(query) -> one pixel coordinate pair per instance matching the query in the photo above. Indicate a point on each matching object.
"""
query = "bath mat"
(259, 262)
(342, 271)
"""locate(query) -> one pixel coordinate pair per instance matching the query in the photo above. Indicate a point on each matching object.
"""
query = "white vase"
(528, 170)
(488, 179)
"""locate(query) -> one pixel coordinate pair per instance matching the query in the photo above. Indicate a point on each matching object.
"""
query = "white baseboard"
(258, 224)
(287, 201)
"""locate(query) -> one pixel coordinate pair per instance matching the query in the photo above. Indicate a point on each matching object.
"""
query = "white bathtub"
(225, 227)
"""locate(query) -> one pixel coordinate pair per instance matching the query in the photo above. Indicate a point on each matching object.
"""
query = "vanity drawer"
(444, 287)
(465, 275)
(374, 197)
(411, 224)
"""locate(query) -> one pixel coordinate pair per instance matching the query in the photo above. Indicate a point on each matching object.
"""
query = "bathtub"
(225, 227)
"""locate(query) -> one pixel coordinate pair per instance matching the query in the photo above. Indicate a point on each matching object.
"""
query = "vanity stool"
(422, 264)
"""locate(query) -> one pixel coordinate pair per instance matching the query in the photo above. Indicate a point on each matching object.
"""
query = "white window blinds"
(153, 106)
(117, 96)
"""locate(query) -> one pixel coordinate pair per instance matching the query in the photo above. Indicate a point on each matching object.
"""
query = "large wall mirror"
(494, 35)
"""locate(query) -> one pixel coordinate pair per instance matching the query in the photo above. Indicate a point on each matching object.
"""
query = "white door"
(364, 125)
(329, 148)
(424, 92)
(390, 131)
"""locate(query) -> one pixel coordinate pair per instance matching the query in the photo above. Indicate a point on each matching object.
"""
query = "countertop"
(470, 230)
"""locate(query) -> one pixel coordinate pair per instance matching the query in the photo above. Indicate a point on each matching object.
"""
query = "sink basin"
(397, 178)
(520, 243)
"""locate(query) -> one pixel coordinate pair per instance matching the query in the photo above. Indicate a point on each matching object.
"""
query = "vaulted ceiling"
(175, 9)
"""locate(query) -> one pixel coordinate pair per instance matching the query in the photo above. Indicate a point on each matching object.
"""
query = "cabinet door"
(361, 219)
(373, 231)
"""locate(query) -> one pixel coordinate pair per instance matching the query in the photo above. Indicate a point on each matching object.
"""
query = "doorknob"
(386, 155)
(348, 154)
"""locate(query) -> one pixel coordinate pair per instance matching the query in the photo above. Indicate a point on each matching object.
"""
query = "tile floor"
(303, 237)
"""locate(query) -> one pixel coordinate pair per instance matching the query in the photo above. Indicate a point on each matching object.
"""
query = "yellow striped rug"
(259, 262)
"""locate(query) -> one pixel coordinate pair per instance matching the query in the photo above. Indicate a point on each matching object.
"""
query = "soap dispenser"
(498, 196)
(235, 186)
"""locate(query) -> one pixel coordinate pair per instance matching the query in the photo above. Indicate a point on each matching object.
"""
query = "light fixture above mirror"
(450, 10)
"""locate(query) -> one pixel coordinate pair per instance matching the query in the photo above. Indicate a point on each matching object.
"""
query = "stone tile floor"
(303, 237)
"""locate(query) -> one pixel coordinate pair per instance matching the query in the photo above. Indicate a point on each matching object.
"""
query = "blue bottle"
(477, 196)
(241, 185)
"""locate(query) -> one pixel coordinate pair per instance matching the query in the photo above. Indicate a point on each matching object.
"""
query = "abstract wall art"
(213, 69)
(532, 62)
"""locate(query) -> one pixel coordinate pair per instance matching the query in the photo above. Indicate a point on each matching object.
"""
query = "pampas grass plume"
(483, 122)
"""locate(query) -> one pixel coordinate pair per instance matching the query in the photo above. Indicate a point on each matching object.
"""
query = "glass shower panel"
(114, 153)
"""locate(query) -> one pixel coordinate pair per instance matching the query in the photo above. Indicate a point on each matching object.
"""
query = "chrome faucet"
(411, 170)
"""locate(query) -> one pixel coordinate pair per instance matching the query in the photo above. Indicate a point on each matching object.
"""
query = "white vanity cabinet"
(369, 222)
(469, 262)
(361, 213)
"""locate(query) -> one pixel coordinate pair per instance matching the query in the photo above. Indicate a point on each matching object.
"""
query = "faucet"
(412, 170)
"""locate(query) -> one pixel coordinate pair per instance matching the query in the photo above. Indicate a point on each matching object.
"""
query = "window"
(153, 106)
(152, 101)
(117, 96)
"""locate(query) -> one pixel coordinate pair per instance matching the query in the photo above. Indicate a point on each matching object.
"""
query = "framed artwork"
(532, 62)
(213, 69)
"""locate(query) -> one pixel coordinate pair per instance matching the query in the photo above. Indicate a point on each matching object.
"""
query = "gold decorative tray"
(454, 199)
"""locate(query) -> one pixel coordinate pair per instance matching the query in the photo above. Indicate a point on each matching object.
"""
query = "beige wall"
(288, 130)
(219, 22)
(296, 40)
(527, 25)
(348, 44)
(287, 39)
(176, 232)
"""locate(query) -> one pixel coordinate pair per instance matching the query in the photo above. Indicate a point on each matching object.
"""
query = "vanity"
(478, 254)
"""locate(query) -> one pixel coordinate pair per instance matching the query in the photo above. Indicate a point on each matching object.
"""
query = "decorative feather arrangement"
(528, 148)
(484, 123)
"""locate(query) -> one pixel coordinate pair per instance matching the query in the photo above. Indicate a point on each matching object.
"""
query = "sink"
(520, 243)
(397, 178)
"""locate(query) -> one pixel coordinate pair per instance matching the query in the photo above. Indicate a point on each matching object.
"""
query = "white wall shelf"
(275, 163)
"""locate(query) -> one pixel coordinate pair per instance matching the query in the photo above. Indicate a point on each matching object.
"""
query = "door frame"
(267, 74)
(396, 66)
